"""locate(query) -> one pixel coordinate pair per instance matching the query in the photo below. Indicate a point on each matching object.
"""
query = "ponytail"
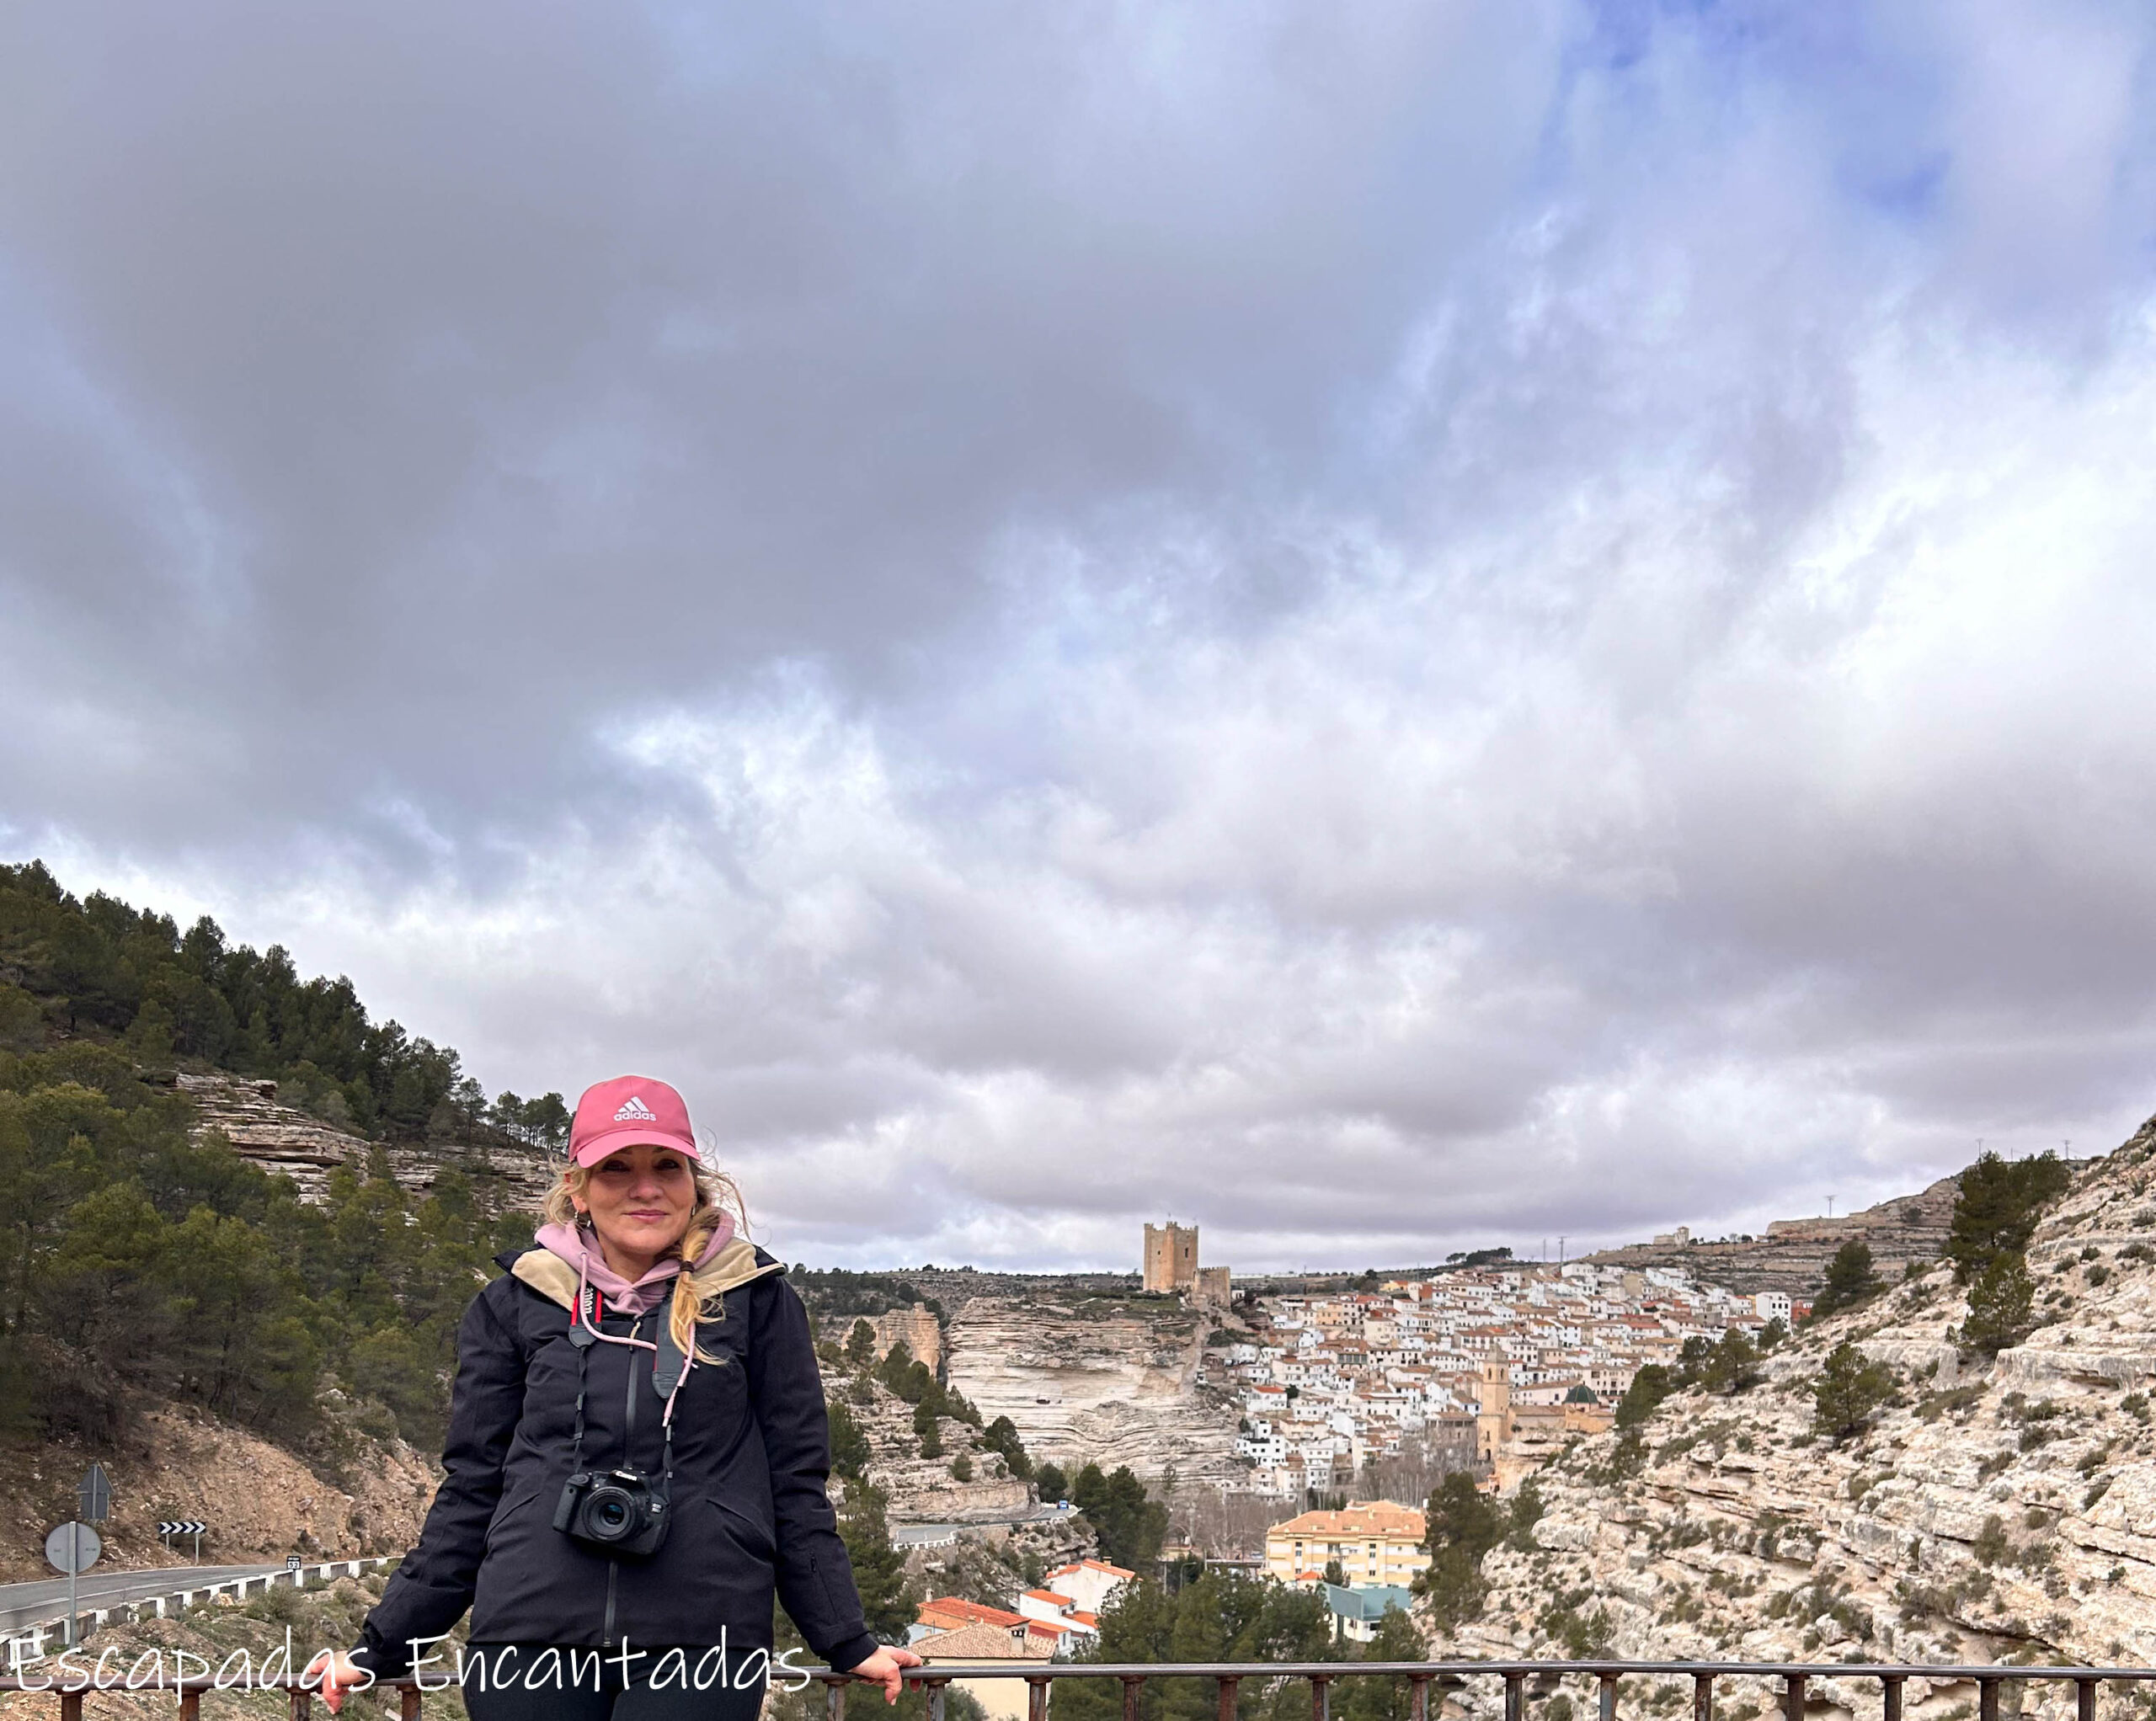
(717, 1195)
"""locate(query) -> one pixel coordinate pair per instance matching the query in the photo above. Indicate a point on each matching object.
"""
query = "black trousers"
(556, 1682)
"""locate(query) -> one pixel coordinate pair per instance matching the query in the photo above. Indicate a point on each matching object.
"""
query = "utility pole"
(1830, 1207)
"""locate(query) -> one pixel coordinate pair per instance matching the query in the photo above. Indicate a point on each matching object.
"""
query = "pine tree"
(1997, 1210)
(2001, 1307)
(1848, 1390)
(879, 1571)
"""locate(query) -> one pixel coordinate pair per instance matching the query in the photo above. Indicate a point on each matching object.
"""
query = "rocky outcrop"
(1995, 1510)
(1108, 1378)
(916, 1328)
(923, 1490)
(284, 1139)
(1792, 1256)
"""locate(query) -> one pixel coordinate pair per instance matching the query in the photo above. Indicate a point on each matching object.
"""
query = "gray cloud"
(1410, 627)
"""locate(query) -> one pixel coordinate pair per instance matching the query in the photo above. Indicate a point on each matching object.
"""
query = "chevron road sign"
(185, 1527)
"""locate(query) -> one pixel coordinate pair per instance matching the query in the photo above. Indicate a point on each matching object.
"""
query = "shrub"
(1991, 1545)
(925, 1425)
(1849, 1280)
(1849, 1390)
(1643, 1398)
(962, 1468)
(2001, 1307)
(1002, 1436)
(1527, 1508)
(1732, 1366)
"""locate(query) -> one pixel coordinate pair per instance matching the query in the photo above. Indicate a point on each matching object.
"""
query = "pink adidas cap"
(625, 1112)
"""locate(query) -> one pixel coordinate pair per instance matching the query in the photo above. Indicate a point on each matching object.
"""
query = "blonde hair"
(717, 1195)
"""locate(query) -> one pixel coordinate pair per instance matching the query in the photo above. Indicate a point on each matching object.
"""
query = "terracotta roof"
(1051, 1597)
(959, 1611)
(1377, 1517)
(982, 1642)
(1093, 1565)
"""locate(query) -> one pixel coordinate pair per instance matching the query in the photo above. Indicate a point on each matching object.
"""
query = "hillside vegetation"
(1957, 1467)
(145, 1266)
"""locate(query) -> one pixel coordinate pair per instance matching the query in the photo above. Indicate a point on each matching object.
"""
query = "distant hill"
(1792, 1256)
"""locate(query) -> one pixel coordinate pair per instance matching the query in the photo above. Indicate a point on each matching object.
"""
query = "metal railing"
(1447, 1677)
(17, 1623)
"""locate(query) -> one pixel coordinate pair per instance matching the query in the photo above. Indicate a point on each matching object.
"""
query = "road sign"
(73, 1548)
(291, 1562)
(181, 1527)
(95, 1492)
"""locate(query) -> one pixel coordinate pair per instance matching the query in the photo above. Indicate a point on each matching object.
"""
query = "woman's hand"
(342, 1673)
(887, 1667)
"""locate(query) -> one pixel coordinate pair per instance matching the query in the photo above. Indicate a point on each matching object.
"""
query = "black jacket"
(751, 1454)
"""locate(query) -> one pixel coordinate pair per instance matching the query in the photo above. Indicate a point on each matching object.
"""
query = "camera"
(614, 1512)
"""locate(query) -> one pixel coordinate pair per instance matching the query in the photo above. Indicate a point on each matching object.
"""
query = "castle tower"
(1171, 1257)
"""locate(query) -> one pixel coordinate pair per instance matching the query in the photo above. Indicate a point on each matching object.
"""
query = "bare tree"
(1412, 1474)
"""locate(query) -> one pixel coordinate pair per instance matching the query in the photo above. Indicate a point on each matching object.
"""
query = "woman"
(637, 1457)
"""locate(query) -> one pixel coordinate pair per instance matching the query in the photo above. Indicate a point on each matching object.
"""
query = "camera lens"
(609, 1514)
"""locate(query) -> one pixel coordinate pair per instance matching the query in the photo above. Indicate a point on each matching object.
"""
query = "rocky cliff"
(1997, 1509)
(923, 1490)
(1792, 1256)
(282, 1138)
(1106, 1377)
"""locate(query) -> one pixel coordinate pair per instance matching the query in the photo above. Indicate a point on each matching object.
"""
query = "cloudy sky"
(1385, 627)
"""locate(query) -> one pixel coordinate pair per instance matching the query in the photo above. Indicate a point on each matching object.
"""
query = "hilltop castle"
(1171, 1266)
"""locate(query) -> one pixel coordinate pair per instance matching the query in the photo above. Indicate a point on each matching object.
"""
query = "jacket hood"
(734, 1263)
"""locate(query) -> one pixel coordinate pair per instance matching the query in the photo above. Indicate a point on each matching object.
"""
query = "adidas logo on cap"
(636, 1111)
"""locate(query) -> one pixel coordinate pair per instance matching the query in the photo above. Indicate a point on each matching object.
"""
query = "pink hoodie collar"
(580, 1249)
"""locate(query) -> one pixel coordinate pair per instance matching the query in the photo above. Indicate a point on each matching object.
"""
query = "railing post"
(1515, 1697)
(1987, 1699)
(1418, 1696)
(1133, 1684)
(1036, 1701)
(407, 1701)
(71, 1706)
(1608, 1706)
(834, 1700)
(936, 1698)
(2084, 1700)
(190, 1706)
(1702, 1696)
(1321, 1697)
(1230, 1684)
(1793, 1697)
(1890, 1686)
(303, 1703)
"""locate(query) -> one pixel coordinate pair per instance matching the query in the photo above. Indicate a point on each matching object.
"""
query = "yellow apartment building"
(1375, 1542)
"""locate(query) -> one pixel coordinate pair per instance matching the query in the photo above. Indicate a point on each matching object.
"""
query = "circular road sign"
(67, 1553)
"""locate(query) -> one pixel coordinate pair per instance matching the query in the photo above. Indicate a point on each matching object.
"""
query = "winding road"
(35, 1603)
